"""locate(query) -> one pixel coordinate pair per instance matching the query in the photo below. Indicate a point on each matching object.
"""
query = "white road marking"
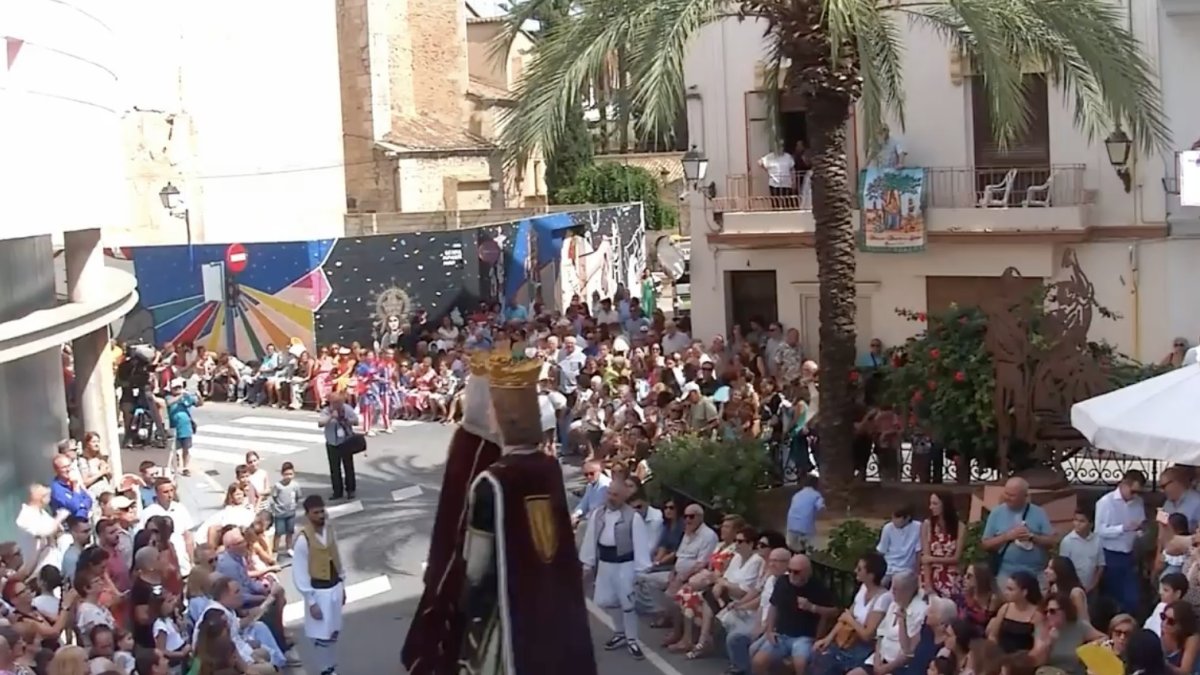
(407, 493)
(293, 612)
(344, 509)
(306, 425)
(314, 437)
(652, 656)
(218, 457)
(243, 445)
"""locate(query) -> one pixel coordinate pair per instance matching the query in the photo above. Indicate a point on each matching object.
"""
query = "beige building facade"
(752, 256)
(421, 96)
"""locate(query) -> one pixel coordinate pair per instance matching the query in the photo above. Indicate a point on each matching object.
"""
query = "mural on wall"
(236, 298)
(378, 276)
(240, 298)
(893, 217)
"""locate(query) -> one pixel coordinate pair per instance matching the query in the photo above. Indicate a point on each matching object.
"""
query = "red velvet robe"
(432, 645)
(526, 613)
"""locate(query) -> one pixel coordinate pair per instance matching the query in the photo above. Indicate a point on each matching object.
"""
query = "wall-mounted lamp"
(1118, 147)
(695, 168)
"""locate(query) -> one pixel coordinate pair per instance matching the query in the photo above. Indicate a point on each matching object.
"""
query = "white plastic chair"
(997, 194)
(1039, 195)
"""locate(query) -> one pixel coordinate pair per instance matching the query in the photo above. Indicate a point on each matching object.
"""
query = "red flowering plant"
(942, 379)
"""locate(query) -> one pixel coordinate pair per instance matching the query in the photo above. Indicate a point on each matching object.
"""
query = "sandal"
(700, 651)
(680, 647)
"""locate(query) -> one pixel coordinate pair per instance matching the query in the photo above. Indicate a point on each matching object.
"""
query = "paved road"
(384, 533)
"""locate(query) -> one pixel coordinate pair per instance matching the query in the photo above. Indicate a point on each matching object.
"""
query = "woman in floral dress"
(942, 535)
(689, 597)
(369, 403)
(322, 381)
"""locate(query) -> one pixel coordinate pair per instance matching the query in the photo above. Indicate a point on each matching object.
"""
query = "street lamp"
(695, 168)
(175, 204)
(170, 198)
(1118, 147)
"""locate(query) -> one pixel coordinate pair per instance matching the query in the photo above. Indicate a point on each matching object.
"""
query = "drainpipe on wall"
(1134, 249)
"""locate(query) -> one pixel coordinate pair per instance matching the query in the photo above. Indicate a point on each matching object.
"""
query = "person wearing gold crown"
(524, 601)
(432, 644)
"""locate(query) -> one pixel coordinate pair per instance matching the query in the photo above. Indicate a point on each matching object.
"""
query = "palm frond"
(772, 76)
(880, 50)
(654, 34)
(656, 57)
(1102, 67)
(1084, 47)
(986, 31)
(520, 14)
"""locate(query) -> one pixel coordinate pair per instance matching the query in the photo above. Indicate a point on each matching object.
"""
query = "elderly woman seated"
(908, 637)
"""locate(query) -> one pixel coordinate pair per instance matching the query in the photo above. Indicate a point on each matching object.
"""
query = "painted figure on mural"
(524, 598)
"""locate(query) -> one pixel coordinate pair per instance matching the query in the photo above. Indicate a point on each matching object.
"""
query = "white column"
(94, 380)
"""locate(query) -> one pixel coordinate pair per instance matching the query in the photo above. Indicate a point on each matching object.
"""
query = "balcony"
(958, 203)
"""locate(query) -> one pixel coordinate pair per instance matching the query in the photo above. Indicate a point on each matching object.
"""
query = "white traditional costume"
(616, 545)
(318, 573)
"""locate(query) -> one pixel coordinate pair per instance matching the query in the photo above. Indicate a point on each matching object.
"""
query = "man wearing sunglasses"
(798, 606)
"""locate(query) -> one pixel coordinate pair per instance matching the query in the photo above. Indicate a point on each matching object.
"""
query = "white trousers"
(615, 594)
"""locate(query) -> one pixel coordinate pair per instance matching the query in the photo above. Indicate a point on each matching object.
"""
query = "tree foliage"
(943, 379)
(564, 164)
(612, 183)
(726, 476)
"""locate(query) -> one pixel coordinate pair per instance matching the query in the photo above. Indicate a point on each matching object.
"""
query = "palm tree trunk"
(835, 248)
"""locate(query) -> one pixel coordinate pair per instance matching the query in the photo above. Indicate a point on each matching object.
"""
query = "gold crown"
(507, 372)
(478, 362)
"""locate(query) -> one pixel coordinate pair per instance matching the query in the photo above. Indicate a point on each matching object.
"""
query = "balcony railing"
(981, 187)
(945, 188)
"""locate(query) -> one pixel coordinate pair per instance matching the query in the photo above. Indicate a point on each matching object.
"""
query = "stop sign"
(235, 258)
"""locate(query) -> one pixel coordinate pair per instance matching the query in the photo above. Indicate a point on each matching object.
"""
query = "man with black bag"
(342, 442)
(1017, 533)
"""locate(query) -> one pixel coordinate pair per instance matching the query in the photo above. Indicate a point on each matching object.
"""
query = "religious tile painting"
(893, 216)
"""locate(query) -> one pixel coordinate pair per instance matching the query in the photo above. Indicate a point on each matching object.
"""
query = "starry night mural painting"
(377, 276)
(239, 298)
(233, 298)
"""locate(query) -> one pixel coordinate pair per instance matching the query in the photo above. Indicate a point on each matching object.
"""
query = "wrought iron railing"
(945, 187)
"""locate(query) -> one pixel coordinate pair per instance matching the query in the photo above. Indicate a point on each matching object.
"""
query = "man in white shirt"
(606, 315)
(224, 592)
(780, 167)
(616, 545)
(901, 624)
(674, 341)
(698, 543)
(891, 153)
(653, 516)
(182, 539)
(1120, 516)
(1192, 356)
(40, 531)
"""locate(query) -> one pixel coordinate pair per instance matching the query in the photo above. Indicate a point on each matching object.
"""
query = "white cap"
(178, 383)
(620, 344)
(687, 389)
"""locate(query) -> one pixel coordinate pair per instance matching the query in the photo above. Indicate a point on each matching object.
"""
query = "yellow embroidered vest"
(324, 562)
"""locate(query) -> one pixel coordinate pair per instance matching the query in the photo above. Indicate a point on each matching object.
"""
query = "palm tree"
(837, 54)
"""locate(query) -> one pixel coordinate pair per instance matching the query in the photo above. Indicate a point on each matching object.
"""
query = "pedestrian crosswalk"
(229, 441)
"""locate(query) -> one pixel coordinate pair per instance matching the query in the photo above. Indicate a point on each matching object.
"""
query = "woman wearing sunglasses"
(1062, 632)
(1180, 641)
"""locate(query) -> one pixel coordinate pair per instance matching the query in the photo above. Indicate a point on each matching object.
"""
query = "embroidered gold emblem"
(541, 526)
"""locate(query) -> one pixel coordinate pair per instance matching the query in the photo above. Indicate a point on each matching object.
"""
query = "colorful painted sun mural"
(231, 297)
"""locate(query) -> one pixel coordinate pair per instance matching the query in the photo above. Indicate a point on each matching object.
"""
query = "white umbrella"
(1158, 418)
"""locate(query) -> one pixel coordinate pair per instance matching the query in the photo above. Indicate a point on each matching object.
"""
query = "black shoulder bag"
(999, 556)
